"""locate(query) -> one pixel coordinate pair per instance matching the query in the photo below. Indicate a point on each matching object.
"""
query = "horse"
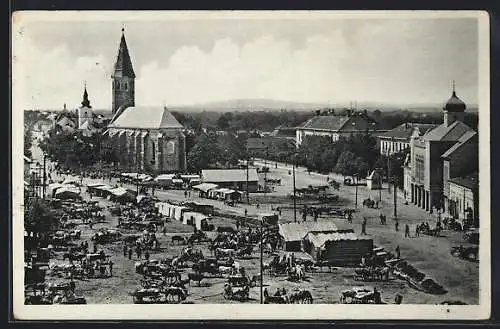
(197, 277)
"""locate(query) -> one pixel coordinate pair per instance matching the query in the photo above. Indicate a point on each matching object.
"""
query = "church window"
(171, 147)
(126, 86)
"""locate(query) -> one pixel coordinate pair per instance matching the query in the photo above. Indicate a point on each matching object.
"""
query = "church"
(142, 138)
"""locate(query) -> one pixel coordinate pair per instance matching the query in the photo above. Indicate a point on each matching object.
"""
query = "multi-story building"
(425, 172)
(337, 126)
(398, 139)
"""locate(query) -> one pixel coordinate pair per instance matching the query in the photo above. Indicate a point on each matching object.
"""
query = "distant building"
(293, 233)
(66, 121)
(143, 138)
(232, 178)
(425, 177)
(337, 126)
(398, 139)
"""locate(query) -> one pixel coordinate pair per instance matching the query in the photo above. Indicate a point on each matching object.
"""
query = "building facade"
(142, 138)
(337, 126)
(424, 179)
(398, 139)
(463, 199)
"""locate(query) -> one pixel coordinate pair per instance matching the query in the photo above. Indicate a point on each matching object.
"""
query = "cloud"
(387, 61)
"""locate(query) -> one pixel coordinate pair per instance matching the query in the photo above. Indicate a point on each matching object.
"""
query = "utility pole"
(265, 172)
(356, 184)
(248, 164)
(44, 175)
(261, 260)
(395, 198)
(294, 192)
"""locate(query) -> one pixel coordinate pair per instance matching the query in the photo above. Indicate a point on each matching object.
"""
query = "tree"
(204, 154)
(345, 164)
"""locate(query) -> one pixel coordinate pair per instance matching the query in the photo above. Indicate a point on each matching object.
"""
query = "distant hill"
(239, 105)
(243, 105)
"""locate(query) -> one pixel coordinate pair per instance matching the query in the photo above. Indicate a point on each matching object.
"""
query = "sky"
(393, 60)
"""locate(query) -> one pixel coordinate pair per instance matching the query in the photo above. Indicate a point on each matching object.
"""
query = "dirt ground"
(430, 255)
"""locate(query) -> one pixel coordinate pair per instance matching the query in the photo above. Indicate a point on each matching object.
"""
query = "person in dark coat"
(397, 225)
(146, 255)
(407, 231)
(130, 253)
(125, 250)
(398, 252)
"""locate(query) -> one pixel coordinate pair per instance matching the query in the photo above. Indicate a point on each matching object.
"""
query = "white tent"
(70, 180)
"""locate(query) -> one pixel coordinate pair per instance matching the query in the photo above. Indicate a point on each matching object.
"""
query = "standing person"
(90, 223)
(315, 215)
(398, 252)
(146, 255)
(397, 225)
(125, 250)
(130, 253)
(246, 211)
(363, 228)
(185, 194)
(110, 268)
(407, 231)
(417, 230)
(138, 251)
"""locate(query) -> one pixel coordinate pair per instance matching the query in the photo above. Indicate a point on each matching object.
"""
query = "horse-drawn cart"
(237, 288)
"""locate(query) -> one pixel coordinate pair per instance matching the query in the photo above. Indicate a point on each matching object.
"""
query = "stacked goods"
(415, 279)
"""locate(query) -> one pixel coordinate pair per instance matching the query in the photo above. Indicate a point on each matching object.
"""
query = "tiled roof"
(146, 118)
(228, 175)
(325, 122)
(355, 122)
(405, 130)
(450, 134)
(471, 181)
(461, 141)
(297, 231)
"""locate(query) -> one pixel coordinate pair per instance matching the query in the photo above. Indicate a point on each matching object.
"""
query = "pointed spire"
(123, 65)
(85, 101)
(454, 94)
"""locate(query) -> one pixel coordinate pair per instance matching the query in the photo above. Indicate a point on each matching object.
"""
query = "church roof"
(454, 104)
(449, 133)
(146, 118)
(123, 65)
(468, 136)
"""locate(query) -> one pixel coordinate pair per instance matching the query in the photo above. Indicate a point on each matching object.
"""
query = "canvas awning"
(205, 187)
(95, 184)
(164, 177)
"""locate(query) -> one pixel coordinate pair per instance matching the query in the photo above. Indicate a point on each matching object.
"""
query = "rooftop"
(405, 130)
(468, 136)
(470, 181)
(297, 231)
(449, 133)
(145, 118)
(229, 175)
(355, 122)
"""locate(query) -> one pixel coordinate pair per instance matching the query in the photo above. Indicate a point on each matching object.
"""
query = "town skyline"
(196, 62)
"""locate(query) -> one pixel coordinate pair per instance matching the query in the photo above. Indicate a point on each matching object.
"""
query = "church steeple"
(123, 78)
(123, 65)
(85, 101)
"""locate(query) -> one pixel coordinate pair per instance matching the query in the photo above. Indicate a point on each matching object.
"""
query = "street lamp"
(355, 176)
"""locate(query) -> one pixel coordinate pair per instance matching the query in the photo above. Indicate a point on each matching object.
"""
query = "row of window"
(393, 147)
(119, 85)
